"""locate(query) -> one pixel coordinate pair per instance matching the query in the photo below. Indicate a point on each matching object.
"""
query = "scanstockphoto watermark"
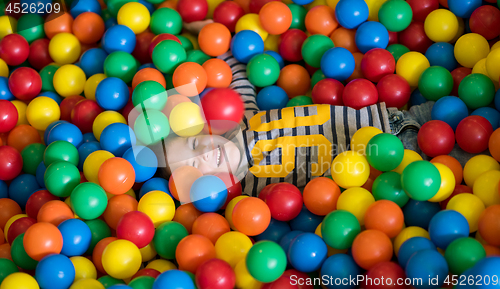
(361, 280)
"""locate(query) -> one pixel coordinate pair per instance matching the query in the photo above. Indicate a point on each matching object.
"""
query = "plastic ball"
(436, 138)
(377, 63)
(463, 254)
(321, 20)
(478, 165)
(193, 251)
(370, 35)
(321, 195)
(421, 180)
(112, 93)
(473, 133)
(388, 152)
(355, 201)
(251, 22)
(476, 90)
(350, 169)
(371, 247)
(42, 239)
(135, 16)
(25, 83)
(493, 71)
(116, 176)
(119, 38)
(295, 80)
(189, 79)
(167, 55)
(485, 21)
(441, 54)
(394, 90)
(470, 48)
(246, 44)
(61, 178)
(275, 17)
(266, 261)
(488, 227)
(350, 14)
(463, 9)
(60, 151)
(411, 246)
(208, 193)
(447, 226)
(435, 82)
(253, 209)
(117, 138)
(360, 93)
(174, 279)
(89, 200)
(219, 74)
(14, 49)
(215, 272)
(121, 259)
(37, 200)
(76, 237)
(340, 266)
(451, 110)
(493, 144)
(88, 27)
(263, 70)
(19, 280)
(69, 80)
(136, 227)
(42, 111)
(361, 137)
(210, 225)
(491, 114)
(277, 101)
(395, 15)
(427, 263)
(337, 63)
(120, 64)
(328, 91)
(166, 20)
(385, 216)
(55, 271)
(411, 66)
(55, 212)
(64, 48)
(307, 252)
(149, 204)
(8, 116)
(441, 25)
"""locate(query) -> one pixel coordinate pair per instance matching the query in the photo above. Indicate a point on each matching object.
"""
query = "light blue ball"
(118, 38)
(338, 63)
(66, 132)
(246, 44)
(80, 6)
(4, 89)
(76, 237)
(208, 193)
(351, 13)
(144, 161)
(112, 94)
(55, 271)
(173, 279)
(117, 138)
(371, 35)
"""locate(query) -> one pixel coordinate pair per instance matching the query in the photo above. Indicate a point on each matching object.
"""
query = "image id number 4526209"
(38, 8)
(472, 280)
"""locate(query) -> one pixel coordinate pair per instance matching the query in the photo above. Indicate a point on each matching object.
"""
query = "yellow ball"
(64, 48)
(441, 25)
(84, 268)
(447, 183)
(486, 188)
(492, 65)
(411, 65)
(243, 278)
(272, 42)
(212, 4)
(148, 253)
(460, 31)
(104, 119)
(158, 205)
(10, 221)
(373, 8)
(229, 210)
(232, 247)
(42, 111)
(161, 265)
(69, 80)
(121, 259)
(19, 280)
(361, 137)
(495, 46)
(350, 169)
(480, 67)
(356, 201)
(408, 158)
(135, 16)
(8, 25)
(87, 284)
(470, 206)
(251, 21)
(470, 48)
(21, 112)
(478, 165)
(91, 85)
(4, 69)
(333, 3)
(92, 164)
(186, 119)
(408, 233)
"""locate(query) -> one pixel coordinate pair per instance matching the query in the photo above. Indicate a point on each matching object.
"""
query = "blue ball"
(173, 279)
(306, 221)
(489, 266)
(149, 6)
(351, 13)
(52, 95)
(144, 161)
(154, 184)
(464, 8)
(274, 232)
(4, 89)
(85, 150)
(55, 271)
(302, 2)
(427, 264)
(412, 245)
(272, 97)
(420, 213)
(119, 286)
(39, 174)
(112, 93)
(50, 127)
(118, 38)
(447, 226)
(307, 252)
(22, 187)
(371, 35)
(66, 132)
(92, 61)
(80, 6)
(338, 267)
(111, 22)
(208, 193)
(287, 239)
(88, 137)
(338, 63)
(4, 190)
(246, 44)
(497, 100)
(76, 237)
(417, 98)
(276, 56)
(442, 54)
(450, 109)
(117, 138)
(147, 65)
(491, 114)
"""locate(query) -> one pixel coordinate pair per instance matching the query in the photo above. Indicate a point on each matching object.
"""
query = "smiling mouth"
(218, 155)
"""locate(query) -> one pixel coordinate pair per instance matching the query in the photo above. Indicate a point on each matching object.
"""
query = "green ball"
(299, 101)
(89, 200)
(317, 77)
(47, 75)
(142, 282)
(463, 253)
(61, 178)
(106, 14)
(166, 20)
(397, 50)
(99, 230)
(30, 26)
(7, 267)
(167, 55)
(115, 5)
(435, 82)
(385, 152)
(314, 47)
(32, 156)
(197, 56)
(19, 255)
(108, 281)
(149, 95)
(298, 16)
(421, 180)
(186, 43)
(151, 127)
(155, 1)
(388, 186)
(476, 90)
(263, 70)
(120, 64)
(266, 261)
(60, 151)
(395, 15)
(339, 228)
(167, 237)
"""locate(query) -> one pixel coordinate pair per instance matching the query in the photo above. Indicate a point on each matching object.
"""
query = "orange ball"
(385, 216)
(251, 216)
(2, 237)
(245, 4)
(58, 23)
(88, 27)
(345, 38)
(214, 39)
(321, 195)
(172, 4)
(321, 20)
(117, 207)
(181, 181)
(22, 136)
(116, 176)
(219, 73)
(494, 144)
(186, 215)
(192, 251)
(55, 212)
(275, 17)
(97, 253)
(42, 239)
(371, 247)
(147, 74)
(189, 79)
(5, 251)
(172, 101)
(489, 225)
(453, 165)
(8, 209)
(211, 225)
(491, 250)
(358, 56)
(295, 80)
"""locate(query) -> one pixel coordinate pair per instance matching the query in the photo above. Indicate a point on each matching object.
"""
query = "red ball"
(458, 75)
(265, 191)
(25, 83)
(387, 271)
(301, 276)
(414, 37)
(8, 116)
(283, 282)
(36, 201)
(223, 109)
(422, 8)
(146, 272)
(67, 105)
(473, 134)
(394, 90)
(136, 227)
(11, 163)
(256, 5)
(377, 63)
(141, 50)
(436, 138)
(285, 201)
(485, 21)
(84, 114)
(215, 273)
(233, 185)
(328, 91)
(14, 49)
(192, 10)
(228, 13)
(18, 227)
(39, 56)
(360, 93)
(290, 46)
(393, 38)
(160, 38)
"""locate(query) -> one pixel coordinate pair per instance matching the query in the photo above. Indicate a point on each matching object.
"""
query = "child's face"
(210, 154)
